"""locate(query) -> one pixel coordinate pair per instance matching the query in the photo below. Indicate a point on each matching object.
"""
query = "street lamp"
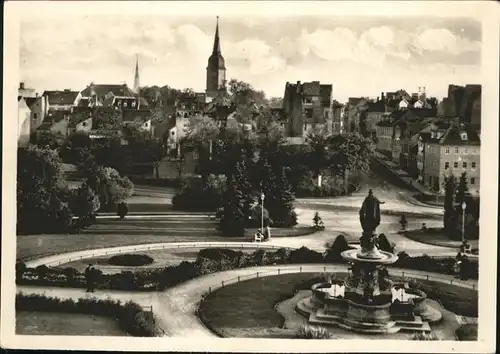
(262, 196)
(463, 221)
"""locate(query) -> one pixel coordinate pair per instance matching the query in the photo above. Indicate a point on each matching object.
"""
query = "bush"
(318, 222)
(255, 219)
(334, 250)
(305, 255)
(313, 332)
(130, 315)
(122, 210)
(424, 336)
(130, 260)
(384, 244)
(194, 196)
(467, 332)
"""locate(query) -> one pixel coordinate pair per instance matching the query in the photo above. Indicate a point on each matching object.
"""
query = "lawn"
(65, 324)
(247, 308)
(40, 245)
(435, 237)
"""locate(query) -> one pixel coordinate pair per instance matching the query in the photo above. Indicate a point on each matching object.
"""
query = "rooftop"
(65, 97)
(102, 90)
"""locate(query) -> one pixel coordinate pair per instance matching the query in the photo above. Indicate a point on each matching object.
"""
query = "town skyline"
(403, 54)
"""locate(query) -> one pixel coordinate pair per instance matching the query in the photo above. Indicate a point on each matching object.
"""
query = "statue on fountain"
(369, 217)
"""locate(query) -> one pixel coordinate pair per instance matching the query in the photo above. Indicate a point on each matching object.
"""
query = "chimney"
(21, 85)
(298, 86)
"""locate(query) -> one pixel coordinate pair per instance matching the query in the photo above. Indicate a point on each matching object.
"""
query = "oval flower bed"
(130, 260)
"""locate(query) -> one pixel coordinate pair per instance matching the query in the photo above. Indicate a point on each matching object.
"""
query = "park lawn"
(435, 237)
(66, 324)
(40, 245)
(247, 309)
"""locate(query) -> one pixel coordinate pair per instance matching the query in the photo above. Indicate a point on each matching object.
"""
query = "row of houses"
(63, 112)
(429, 147)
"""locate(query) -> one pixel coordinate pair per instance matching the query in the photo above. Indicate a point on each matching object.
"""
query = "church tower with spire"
(136, 77)
(216, 69)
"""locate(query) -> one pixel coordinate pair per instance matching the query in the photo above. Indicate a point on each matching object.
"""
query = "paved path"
(175, 308)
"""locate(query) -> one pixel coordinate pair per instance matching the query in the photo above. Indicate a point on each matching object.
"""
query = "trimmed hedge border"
(130, 316)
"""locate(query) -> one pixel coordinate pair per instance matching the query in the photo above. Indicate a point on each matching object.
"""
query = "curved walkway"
(175, 308)
(62, 258)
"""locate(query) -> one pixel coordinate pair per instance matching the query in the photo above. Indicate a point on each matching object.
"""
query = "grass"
(254, 309)
(67, 324)
(435, 237)
(40, 245)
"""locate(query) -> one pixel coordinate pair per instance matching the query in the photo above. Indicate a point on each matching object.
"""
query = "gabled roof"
(65, 97)
(378, 106)
(102, 90)
(30, 100)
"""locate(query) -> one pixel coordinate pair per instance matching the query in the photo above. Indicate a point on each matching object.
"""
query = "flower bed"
(130, 260)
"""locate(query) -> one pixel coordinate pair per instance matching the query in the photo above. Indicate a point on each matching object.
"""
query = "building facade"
(307, 106)
(23, 122)
(456, 151)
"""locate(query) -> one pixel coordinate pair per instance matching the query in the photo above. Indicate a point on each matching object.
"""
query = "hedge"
(215, 260)
(130, 315)
(130, 260)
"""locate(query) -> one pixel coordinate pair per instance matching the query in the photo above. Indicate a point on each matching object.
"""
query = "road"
(175, 308)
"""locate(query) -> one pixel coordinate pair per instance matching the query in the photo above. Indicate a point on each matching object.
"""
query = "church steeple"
(216, 49)
(136, 77)
(216, 69)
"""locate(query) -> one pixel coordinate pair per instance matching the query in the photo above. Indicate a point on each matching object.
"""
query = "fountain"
(367, 301)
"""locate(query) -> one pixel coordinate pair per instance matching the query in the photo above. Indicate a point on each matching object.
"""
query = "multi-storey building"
(452, 151)
(307, 106)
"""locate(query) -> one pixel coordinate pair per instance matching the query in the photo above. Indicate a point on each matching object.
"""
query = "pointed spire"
(216, 49)
(136, 77)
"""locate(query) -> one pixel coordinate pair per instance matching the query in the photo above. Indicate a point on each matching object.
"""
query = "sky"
(360, 56)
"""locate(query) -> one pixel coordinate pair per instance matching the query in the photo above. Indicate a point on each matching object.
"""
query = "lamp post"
(463, 221)
(262, 196)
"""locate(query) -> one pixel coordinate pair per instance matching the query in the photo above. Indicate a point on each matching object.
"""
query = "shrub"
(305, 255)
(130, 260)
(313, 332)
(255, 219)
(334, 250)
(130, 316)
(424, 336)
(122, 210)
(467, 332)
(403, 222)
(384, 244)
(318, 222)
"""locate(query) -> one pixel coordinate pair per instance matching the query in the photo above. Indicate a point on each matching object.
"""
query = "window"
(195, 155)
(125, 104)
(455, 164)
(473, 165)
(447, 150)
(456, 150)
(305, 127)
(464, 164)
(446, 165)
(309, 113)
(133, 103)
(472, 180)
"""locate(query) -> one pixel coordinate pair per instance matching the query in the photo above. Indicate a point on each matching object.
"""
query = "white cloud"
(441, 39)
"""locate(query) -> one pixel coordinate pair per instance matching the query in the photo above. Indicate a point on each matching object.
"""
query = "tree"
(462, 189)
(318, 154)
(85, 203)
(279, 197)
(106, 118)
(42, 197)
(243, 93)
(450, 216)
(403, 222)
(111, 188)
(351, 152)
(235, 206)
